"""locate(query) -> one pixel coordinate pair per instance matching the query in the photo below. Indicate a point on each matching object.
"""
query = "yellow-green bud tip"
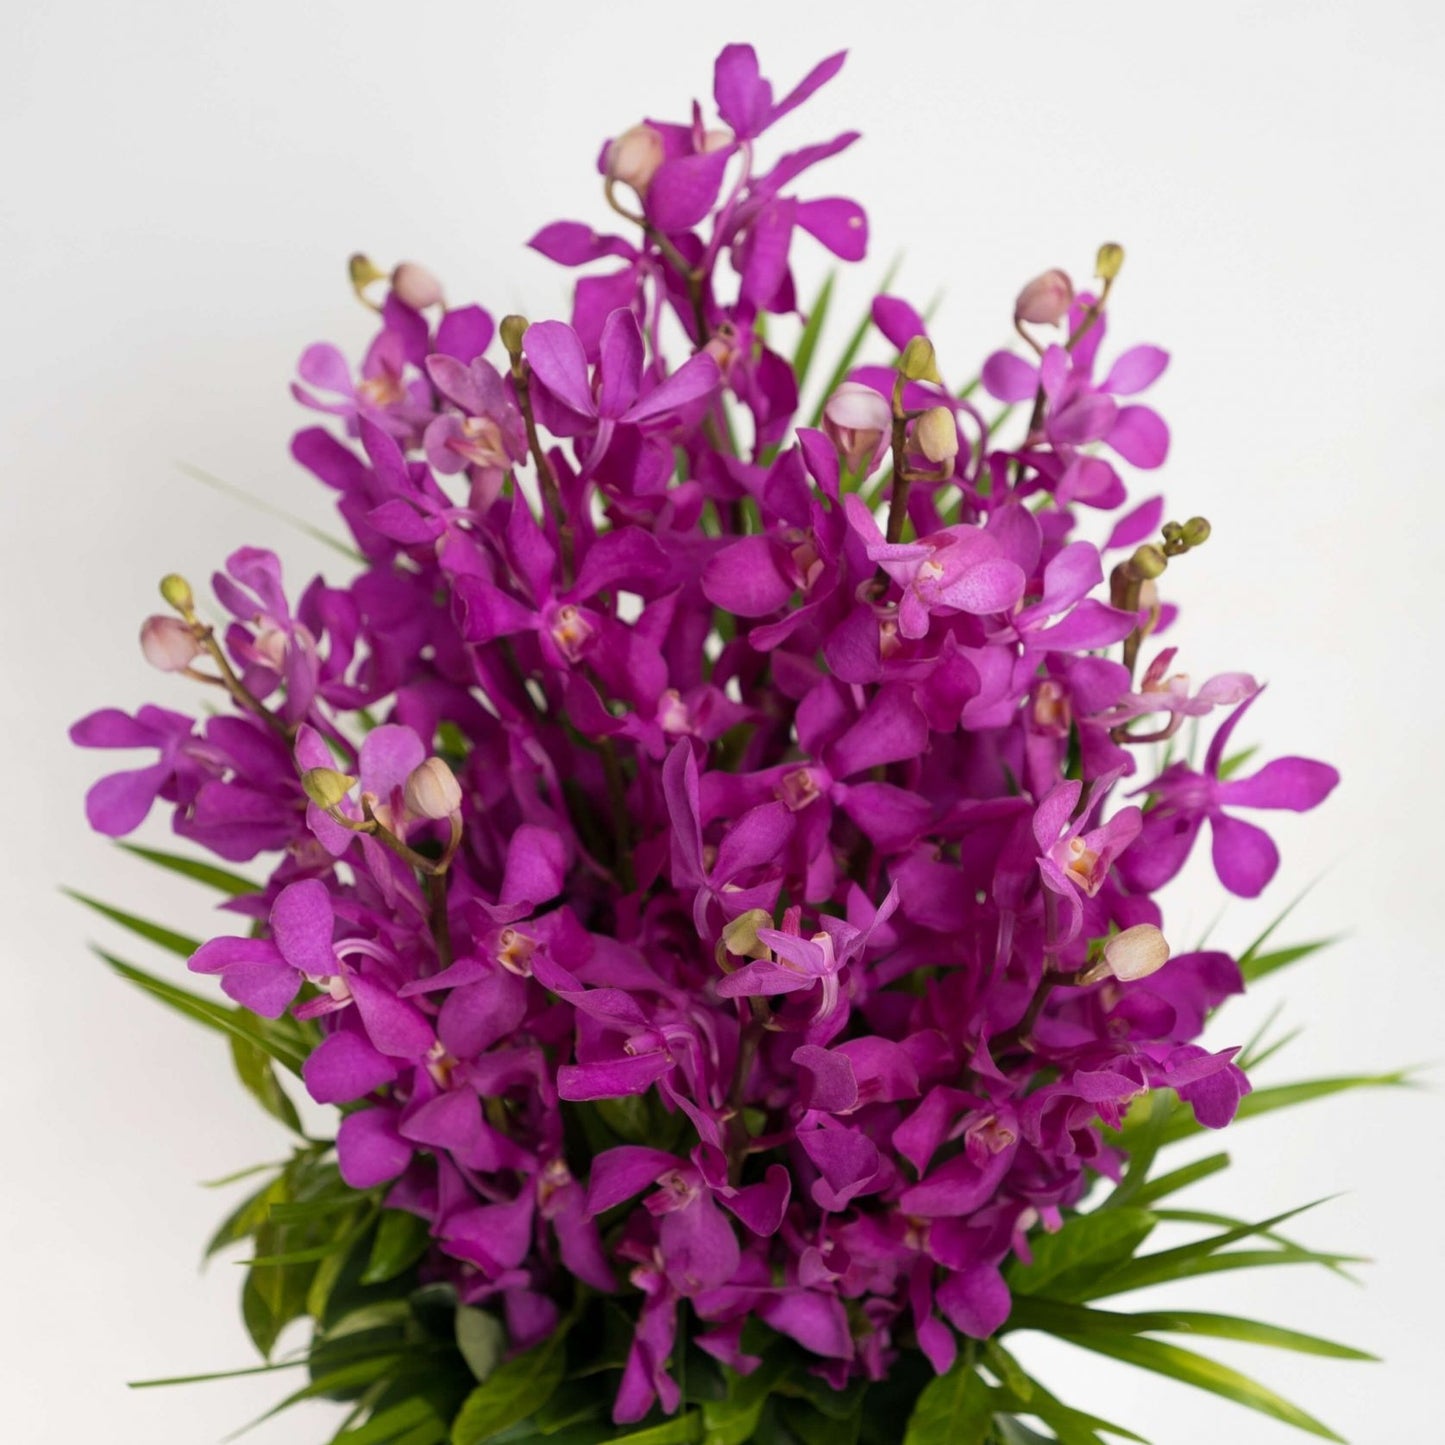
(325, 786)
(512, 329)
(1110, 261)
(1149, 561)
(936, 433)
(1195, 532)
(740, 935)
(363, 271)
(177, 592)
(918, 362)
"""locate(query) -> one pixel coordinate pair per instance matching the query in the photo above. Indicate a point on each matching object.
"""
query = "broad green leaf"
(254, 1070)
(1057, 1318)
(680, 1430)
(576, 1403)
(280, 1042)
(481, 1339)
(808, 342)
(248, 1216)
(811, 1427)
(221, 879)
(1012, 1432)
(401, 1240)
(512, 1392)
(156, 933)
(955, 1409)
(1206, 1374)
(1070, 1426)
(393, 1424)
(1087, 1248)
(1256, 966)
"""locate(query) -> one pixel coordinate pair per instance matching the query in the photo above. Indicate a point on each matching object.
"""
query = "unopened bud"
(512, 330)
(177, 591)
(325, 786)
(415, 286)
(1148, 561)
(1109, 261)
(918, 362)
(740, 934)
(168, 643)
(856, 420)
(362, 273)
(1045, 301)
(1173, 532)
(432, 790)
(936, 434)
(633, 158)
(1195, 532)
(1136, 952)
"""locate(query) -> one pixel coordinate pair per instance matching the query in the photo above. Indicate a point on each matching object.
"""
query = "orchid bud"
(936, 435)
(1109, 261)
(325, 786)
(1045, 301)
(415, 286)
(168, 644)
(432, 790)
(1148, 561)
(740, 934)
(177, 591)
(512, 330)
(1195, 532)
(856, 420)
(633, 158)
(918, 362)
(1136, 953)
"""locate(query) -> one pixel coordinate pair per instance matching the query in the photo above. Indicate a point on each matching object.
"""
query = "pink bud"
(1045, 301)
(432, 790)
(633, 158)
(858, 420)
(168, 644)
(415, 286)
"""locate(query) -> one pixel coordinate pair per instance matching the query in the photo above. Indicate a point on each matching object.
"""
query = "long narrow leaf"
(808, 342)
(156, 933)
(221, 879)
(198, 474)
(1255, 966)
(1177, 1179)
(1202, 1372)
(1286, 1096)
(854, 346)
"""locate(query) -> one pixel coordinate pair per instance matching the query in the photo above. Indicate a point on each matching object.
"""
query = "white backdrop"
(180, 185)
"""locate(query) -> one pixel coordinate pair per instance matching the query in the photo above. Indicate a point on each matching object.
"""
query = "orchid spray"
(709, 849)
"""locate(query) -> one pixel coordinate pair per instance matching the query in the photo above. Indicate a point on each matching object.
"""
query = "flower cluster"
(717, 851)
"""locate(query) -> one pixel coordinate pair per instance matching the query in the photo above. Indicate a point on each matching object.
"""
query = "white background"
(180, 185)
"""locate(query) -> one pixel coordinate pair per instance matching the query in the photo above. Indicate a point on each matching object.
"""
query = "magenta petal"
(264, 988)
(695, 379)
(613, 1078)
(684, 190)
(570, 243)
(698, 1246)
(992, 585)
(841, 225)
(621, 358)
(825, 1079)
(324, 366)
(1010, 378)
(1135, 369)
(343, 1067)
(1298, 784)
(1244, 856)
(464, 333)
(817, 77)
(815, 1320)
(762, 1206)
(976, 1300)
(1140, 436)
(747, 579)
(394, 1026)
(558, 361)
(301, 924)
(744, 98)
(450, 1121)
(369, 1149)
(118, 804)
(618, 1174)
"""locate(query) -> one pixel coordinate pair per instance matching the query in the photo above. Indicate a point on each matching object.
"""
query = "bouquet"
(704, 852)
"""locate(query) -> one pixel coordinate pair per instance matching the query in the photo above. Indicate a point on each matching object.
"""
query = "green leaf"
(1070, 1426)
(280, 1042)
(401, 1240)
(270, 1369)
(812, 1427)
(1236, 761)
(197, 474)
(578, 1402)
(1087, 1248)
(1246, 959)
(854, 346)
(680, 1430)
(955, 1409)
(248, 1216)
(1182, 1178)
(393, 1424)
(1255, 966)
(221, 879)
(1057, 1318)
(808, 342)
(333, 1383)
(513, 1391)
(1206, 1374)
(254, 1070)
(162, 937)
(481, 1339)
